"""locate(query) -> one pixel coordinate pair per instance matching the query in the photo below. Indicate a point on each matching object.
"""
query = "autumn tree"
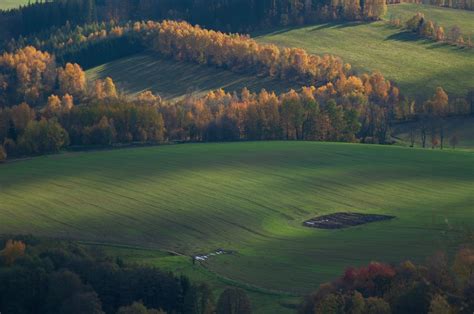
(102, 133)
(67, 102)
(21, 116)
(440, 34)
(331, 303)
(439, 305)
(374, 9)
(376, 305)
(138, 308)
(72, 80)
(414, 24)
(464, 265)
(148, 98)
(45, 136)
(53, 106)
(428, 29)
(292, 115)
(26, 75)
(12, 251)
(438, 104)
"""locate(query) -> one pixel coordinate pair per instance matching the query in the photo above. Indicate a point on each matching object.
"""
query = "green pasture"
(445, 17)
(251, 198)
(417, 65)
(174, 80)
(11, 4)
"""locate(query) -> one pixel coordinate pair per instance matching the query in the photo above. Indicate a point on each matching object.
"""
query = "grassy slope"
(444, 16)
(417, 65)
(250, 197)
(173, 80)
(10, 4)
(261, 301)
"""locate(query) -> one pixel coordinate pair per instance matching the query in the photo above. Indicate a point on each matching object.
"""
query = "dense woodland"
(439, 286)
(44, 276)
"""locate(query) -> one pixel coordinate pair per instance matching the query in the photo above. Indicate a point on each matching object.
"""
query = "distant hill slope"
(417, 65)
(173, 80)
(11, 4)
(444, 16)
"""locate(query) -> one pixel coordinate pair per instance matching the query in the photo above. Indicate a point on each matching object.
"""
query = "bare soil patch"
(344, 220)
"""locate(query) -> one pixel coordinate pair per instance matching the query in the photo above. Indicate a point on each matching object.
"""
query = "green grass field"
(262, 301)
(417, 65)
(11, 4)
(173, 80)
(443, 16)
(249, 197)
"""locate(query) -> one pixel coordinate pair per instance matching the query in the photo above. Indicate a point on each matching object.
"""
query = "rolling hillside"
(173, 80)
(250, 198)
(417, 65)
(11, 4)
(446, 17)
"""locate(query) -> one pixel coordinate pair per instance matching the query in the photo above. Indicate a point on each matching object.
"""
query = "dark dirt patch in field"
(344, 220)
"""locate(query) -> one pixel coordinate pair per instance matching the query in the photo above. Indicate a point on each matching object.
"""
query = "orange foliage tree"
(12, 251)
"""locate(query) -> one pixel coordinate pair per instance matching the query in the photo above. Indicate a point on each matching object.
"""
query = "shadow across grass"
(174, 80)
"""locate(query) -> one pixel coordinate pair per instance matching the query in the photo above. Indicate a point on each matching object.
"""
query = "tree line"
(47, 276)
(340, 106)
(430, 29)
(439, 286)
(235, 52)
(235, 15)
(455, 4)
(87, 44)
